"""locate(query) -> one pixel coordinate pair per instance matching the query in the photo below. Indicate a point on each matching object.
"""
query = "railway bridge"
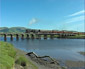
(34, 35)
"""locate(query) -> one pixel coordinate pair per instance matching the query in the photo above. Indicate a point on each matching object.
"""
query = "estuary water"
(61, 49)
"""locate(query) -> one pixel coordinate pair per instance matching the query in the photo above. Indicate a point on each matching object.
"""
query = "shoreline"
(34, 61)
(68, 63)
(42, 63)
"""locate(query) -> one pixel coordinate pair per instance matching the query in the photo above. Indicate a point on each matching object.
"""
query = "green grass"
(7, 55)
(77, 36)
(22, 61)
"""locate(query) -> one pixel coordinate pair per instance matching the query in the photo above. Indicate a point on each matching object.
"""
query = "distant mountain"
(12, 29)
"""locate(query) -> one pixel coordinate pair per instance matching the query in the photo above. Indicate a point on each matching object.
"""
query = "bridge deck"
(37, 33)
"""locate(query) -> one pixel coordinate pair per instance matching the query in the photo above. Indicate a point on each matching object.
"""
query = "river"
(61, 49)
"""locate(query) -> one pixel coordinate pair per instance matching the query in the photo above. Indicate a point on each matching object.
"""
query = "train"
(54, 31)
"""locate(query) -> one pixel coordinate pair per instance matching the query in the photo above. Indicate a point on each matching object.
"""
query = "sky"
(43, 14)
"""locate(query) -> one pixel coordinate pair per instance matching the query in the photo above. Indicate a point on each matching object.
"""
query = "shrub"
(21, 61)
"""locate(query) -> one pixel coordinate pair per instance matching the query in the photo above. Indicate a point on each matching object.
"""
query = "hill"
(12, 29)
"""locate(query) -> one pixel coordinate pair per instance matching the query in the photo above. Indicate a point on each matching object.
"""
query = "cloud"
(33, 21)
(75, 19)
(79, 16)
(77, 13)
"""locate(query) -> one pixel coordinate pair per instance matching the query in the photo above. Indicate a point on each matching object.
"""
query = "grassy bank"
(11, 58)
(7, 55)
(77, 37)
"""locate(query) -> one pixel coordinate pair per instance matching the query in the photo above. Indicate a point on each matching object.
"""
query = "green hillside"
(12, 29)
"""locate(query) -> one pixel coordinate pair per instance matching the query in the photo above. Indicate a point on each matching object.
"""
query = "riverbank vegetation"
(7, 55)
(77, 37)
(11, 58)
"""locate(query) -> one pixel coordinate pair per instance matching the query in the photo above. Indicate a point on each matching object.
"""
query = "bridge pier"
(36, 35)
(11, 37)
(62, 36)
(27, 36)
(45, 36)
(17, 36)
(22, 36)
(32, 36)
(5, 37)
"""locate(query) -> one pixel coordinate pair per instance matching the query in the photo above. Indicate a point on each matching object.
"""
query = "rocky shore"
(41, 62)
(46, 62)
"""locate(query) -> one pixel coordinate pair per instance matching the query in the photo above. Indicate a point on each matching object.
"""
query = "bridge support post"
(62, 36)
(27, 36)
(5, 37)
(17, 37)
(59, 35)
(22, 36)
(11, 37)
(32, 36)
(45, 36)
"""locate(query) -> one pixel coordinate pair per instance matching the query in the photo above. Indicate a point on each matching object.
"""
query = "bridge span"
(34, 35)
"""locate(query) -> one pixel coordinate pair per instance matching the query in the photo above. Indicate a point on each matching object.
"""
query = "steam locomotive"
(53, 31)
